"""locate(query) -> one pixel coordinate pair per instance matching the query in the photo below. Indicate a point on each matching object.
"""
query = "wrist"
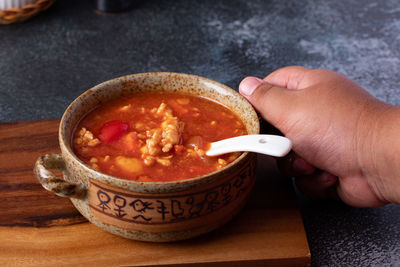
(382, 152)
(390, 154)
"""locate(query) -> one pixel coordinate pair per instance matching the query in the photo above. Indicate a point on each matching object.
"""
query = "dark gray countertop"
(48, 61)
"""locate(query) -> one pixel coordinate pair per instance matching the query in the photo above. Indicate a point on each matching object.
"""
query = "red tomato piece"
(112, 131)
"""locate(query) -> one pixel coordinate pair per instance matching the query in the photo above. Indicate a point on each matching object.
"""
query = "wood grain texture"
(38, 228)
(23, 201)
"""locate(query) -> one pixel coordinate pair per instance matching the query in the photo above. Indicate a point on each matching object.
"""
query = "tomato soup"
(155, 136)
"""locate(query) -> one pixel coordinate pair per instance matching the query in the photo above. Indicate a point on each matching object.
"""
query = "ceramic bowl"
(151, 211)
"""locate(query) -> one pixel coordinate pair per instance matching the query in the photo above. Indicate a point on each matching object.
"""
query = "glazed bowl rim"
(65, 142)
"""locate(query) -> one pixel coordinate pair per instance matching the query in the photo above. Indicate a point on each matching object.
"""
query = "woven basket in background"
(12, 15)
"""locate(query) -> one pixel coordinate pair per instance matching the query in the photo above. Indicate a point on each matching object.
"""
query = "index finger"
(290, 77)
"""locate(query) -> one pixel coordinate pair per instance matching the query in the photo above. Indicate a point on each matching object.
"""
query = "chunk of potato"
(183, 101)
(131, 141)
(129, 164)
(194, 141)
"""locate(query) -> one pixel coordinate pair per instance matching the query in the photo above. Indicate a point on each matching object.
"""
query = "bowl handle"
(53, 183)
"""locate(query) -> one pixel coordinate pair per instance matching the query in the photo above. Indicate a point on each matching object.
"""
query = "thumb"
(273, 102)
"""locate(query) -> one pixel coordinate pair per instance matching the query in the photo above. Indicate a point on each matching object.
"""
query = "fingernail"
(300, 165)
(248, 85)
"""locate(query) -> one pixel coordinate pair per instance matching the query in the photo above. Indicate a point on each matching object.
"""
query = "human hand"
(346, 142)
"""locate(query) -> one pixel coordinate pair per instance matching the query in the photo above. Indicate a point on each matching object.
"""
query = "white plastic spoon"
(273, 145)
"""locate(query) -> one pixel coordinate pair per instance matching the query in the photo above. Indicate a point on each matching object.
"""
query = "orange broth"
(155, 136)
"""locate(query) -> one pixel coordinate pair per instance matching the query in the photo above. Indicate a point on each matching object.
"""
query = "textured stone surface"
(48, 61)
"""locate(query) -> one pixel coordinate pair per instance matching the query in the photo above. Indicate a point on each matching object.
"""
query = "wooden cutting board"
(41, 229)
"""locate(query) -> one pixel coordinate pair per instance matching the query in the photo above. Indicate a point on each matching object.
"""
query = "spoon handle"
(273, 145)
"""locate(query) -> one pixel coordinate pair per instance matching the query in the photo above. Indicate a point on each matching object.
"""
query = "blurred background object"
(12, 11)
(113, 6)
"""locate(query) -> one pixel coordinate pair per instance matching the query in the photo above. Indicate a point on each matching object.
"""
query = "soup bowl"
(151, 211)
